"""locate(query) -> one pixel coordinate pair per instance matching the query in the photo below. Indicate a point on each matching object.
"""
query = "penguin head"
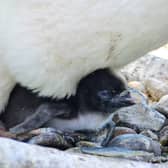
(102, 90)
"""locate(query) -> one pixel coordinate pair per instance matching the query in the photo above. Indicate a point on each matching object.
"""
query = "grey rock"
(139, 116)
(149, 66)
(156, 88)
(162, 105)
(136, 142)
(138, 96)
(137, 85)
(20, 155)
(123, 130)
(164, 136)
(150, 134)
(151, 71)
(118, 152)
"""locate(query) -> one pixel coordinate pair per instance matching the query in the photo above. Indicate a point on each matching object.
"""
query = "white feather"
(90, 120)
(49, 45)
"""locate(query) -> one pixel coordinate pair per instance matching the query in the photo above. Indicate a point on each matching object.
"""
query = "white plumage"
(49, 45)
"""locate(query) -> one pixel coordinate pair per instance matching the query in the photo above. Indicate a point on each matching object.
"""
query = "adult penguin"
(49, 46)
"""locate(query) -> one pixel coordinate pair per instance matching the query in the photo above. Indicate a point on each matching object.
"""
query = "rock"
(135, 70)
(139, 116)
(51, 140)
(123, 130)
(151, 71)
(20, 155)
(150, 134)
(156, 88)
(136, 142)
(164, 136)
(138, 96)
(119, 153)
(149, 66)
(162, 105)
(159, 159)
(137, 85)
(87, 144)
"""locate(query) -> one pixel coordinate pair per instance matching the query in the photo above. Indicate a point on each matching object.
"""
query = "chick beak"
(123, 99)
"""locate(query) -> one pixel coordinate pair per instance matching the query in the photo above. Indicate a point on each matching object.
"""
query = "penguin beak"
(123, 99)
(109, 102)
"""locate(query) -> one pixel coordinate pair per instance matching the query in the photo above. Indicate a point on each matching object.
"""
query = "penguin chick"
(98, 94)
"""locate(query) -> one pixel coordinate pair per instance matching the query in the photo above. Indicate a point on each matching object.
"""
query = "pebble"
(156, 88)
(164, 136)
(123, 130)
(136, 142)
(137, 85)
(162, 105)
(139, 117)
(150, 134)
(118, 153)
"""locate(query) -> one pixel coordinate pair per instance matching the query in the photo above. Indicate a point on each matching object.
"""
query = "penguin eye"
(104, 94)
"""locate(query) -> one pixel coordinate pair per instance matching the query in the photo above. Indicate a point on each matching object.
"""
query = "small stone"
(156, 88)
(87, 144)
(140, 117)
(159, 159)
(137, 85)
(138, 96)
(164, 136)
(136, 142)
(149, 66)
(162, 105)
(150, 134)
(51, 140)
(118, 152)
(123, 130)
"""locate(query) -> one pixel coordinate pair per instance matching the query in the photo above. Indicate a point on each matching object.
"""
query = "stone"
(156, 88)
(162, 105)
(123, 130)
(21, 155)
(117, 152)
(139, 116)
(151, 71)
(138, 96)
(137, 85)
(164, 136)
(150, 134)
(149, 66)
(136, 142)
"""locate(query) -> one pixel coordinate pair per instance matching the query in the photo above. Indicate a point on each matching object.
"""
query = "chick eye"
(104, 94)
